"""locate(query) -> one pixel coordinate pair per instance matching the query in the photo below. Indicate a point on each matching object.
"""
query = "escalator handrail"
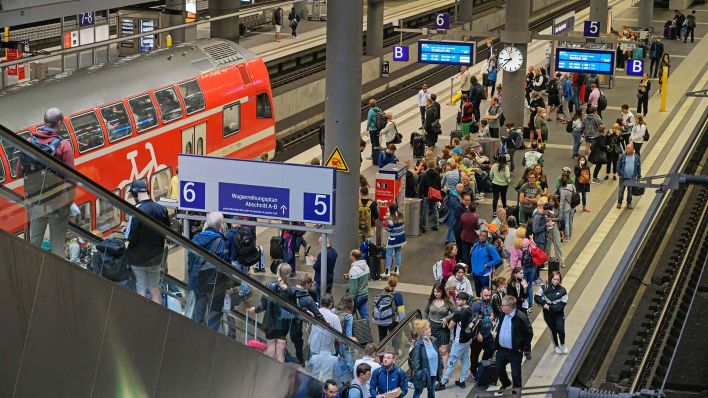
(73, 176)
(390, 336)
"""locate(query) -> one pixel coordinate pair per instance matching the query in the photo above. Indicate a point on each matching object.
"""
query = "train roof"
(24, 104)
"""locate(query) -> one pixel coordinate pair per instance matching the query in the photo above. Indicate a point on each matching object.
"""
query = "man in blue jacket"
(484, 258)
(371, 125)
(388, 156)
(628, 167)
(209, 286)
(388, 377)
(317, 266)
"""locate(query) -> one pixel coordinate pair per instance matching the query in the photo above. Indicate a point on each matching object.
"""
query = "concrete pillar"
(598, 12)
(342, 118)
(374, 27)
(224, 28)
(301, 8)
(176, 16)
(646, 13)
(517, 33)
(466, 12)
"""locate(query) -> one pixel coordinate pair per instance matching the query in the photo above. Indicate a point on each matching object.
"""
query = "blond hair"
(420, 326)
(521, 232)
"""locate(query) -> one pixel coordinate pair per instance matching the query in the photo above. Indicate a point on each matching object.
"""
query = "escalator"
(69, 332)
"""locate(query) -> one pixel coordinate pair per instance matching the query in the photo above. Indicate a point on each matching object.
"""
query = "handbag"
(538, 256)
(434, 194)
(637, 191)
(398, 139)
(492, 77)
(646, 134)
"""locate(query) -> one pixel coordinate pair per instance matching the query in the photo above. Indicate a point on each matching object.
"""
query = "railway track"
(308, 136)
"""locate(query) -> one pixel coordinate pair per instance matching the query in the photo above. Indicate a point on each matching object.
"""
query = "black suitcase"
(418, 142)
(362, 331)
(527, 133)
(373, 260)
(553, 265)
(486, 375)
(455, 134)
(375, 155)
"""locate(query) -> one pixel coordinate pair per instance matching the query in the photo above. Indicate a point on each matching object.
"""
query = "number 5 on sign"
(442, 21)
(591, 29)
(317, 207)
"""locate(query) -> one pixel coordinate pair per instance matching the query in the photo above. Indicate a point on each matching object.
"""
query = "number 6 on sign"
(442, 21)
(316, 207)
(192, 195)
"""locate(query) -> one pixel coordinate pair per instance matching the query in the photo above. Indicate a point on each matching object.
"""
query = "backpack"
(569, 127)
(515, 139)
(552, 88)
(384, 309)
(437, 271)
(347, 387)
(365, 215)
(574, 198)
(381, 120)
(31, 165)
(276, 248)
(108, 260)
(247, 253)
(287, 296)
(526, 259)
(602, 102)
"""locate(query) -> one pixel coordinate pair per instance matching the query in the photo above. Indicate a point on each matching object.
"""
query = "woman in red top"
(449, 261)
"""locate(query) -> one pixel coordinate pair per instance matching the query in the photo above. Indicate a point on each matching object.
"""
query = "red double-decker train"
(130, 119)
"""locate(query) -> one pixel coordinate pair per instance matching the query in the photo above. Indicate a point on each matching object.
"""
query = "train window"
(84, 220)
(107, 216)
(192, 95)
(89, 133)
(263, 109)
(160, 184)
(169, 104)
(144, 112)
(13, 153)
(117, 122)
(232, 119)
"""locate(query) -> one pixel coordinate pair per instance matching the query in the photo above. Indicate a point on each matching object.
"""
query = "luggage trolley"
(317, 10)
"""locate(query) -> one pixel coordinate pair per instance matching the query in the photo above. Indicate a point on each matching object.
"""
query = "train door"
(194, 140)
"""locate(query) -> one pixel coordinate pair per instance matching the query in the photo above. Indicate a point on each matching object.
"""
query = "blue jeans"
(622, 188)
(243, 290)
(530, 276)
(450, 237)
(431, 389)
(577, 138)
(390, 252)
(458, 352)
(361, 304)
(128, 284)
(424, 215)
(576, 97)
(480, 282)
(567, 217)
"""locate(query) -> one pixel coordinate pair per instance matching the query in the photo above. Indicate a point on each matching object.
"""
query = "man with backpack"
(368, 214)
(289, 242)
(53, 211)
(209, 286)
(388, 377)
(477, 94)
(300, 296)
(372, 129)
(359, 283)
(359, 388)
(554, 96)
(483, 341)
(107, 260)
(317, 266)
(244, 254)
(484, 259)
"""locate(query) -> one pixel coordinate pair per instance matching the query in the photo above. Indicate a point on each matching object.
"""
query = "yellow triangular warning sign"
(336, 160)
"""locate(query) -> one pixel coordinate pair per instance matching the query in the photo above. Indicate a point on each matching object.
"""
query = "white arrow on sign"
(283, 208)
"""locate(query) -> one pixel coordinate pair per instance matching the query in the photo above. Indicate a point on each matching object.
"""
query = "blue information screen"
(601, 62)
(445, 52)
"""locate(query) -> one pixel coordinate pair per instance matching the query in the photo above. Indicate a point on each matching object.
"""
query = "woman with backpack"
(436, 309)
(553, 297)
(426, 364)
(582, 180)
(565, 209)
(389, 310)
(396, 239)
(276, 322)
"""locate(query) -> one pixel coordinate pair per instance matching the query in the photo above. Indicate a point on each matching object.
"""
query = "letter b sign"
(400, 53)
(635, 67)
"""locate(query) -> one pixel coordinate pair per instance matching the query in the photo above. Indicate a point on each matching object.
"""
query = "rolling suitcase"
(455, 134)
(553, 265)
(418, 142)
(486, 374)
(375, 155)
(373, 258)
(362, 331)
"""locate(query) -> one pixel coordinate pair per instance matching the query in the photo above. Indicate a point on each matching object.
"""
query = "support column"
(466, 13)
(516, 33)
(301, 8)
(176, 16)
(224, 28)
(646, 13)
(374, 27)
(598, 12)
(342, 118)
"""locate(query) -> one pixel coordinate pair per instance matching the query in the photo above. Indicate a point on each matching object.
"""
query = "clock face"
(511, 59)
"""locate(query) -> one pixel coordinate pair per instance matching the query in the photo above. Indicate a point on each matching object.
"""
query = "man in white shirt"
(627, 123)
(369, 358)
(320, 339)
(423, 97)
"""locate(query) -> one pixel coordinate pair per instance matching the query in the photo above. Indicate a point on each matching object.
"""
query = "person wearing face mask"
(483, 340)
(582, 180)
(518, 288)
(426, 364)
(553, 297)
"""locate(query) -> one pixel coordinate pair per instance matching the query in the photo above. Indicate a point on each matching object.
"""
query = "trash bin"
(412, 214)
(490, 147)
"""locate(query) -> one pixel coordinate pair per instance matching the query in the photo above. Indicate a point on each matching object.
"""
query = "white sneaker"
(564, 348)
(395, 271)
(386, 273)
(558, 350)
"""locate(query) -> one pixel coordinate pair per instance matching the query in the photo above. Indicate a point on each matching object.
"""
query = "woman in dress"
(437, 308)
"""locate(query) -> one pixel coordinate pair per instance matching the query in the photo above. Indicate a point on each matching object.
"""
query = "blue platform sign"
(601, 62)
(252, 188)
(564, 23)
(400, 53)
(442, 21)
(591, 29)
(635, 67)
(87, 19)
(446, 52)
